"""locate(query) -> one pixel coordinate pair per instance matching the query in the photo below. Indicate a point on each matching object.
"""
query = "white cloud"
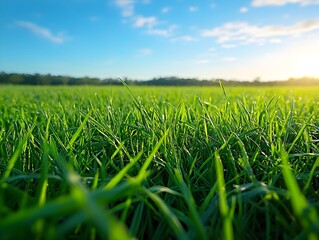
(166, 9)
(166, 32)
(149, 23)
(262, 3)
(275, 40)
(141, 21)
(229, 59)
(228, 45)
(201, 61)
(127, 7)
(243, 10)
(193, 9)
(42, 32)
(185, 38)
(245, 33)
(144, 52)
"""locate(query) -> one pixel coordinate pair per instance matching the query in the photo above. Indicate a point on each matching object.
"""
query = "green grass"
(159, 163)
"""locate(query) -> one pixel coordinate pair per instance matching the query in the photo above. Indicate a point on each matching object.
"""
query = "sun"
(306, 65)
(304, 60)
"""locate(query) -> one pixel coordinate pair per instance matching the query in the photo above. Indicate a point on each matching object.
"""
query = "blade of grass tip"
(43, 182)
(78, 131)
(205, 209)
(47, 129)
(138, 104)
(142, 173)
(299, 134)
(168, 214)
(208, 198)
(223, 206)
(205, 131)
(201, 233)
(128, 89)
(118, 177)
(247, 165)
(316, 164)
(42, 188)
(222, 87)
(127, 205)
(15, 156)
(118, 149)
(161, 189)
(96, 179)
(306, 214)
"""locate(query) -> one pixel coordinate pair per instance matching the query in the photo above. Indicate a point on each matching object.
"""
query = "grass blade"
(306, 214)
(169, 215)
(222, 87)
(201, 233)
(223, 205)
(15, 156)
(78, 131)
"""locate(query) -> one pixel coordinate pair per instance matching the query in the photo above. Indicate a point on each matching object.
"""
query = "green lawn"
(159, 163)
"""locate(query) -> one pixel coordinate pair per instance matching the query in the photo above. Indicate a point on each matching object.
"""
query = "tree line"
(48, 79)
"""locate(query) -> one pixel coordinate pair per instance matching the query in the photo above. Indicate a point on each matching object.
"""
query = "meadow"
(159, 162)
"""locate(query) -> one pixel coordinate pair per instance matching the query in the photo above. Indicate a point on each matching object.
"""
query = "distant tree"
(44, 79)
(16, 79)
(256, 80)
(48, 79)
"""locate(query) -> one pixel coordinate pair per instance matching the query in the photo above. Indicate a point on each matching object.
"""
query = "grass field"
(159, 163)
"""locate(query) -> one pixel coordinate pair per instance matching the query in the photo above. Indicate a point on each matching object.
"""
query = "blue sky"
(142, 39)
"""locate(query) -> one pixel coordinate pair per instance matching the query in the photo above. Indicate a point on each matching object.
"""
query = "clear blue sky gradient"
(142, 39)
